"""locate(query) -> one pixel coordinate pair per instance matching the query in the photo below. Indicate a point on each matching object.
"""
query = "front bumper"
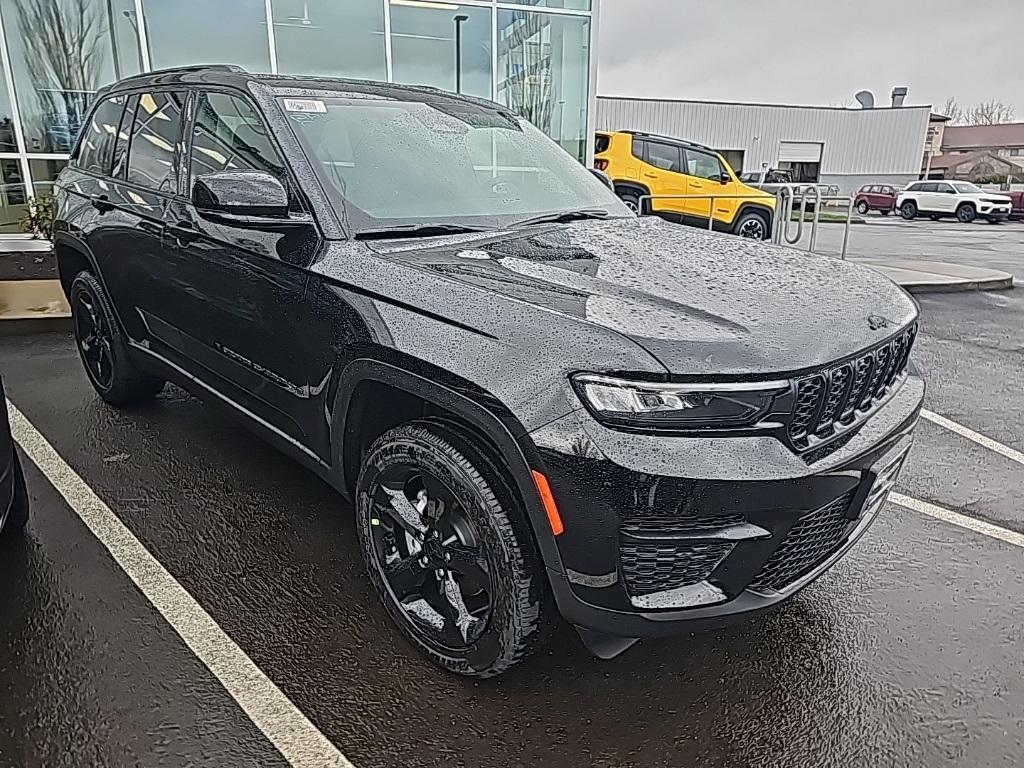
(999, 212)
(671, 534)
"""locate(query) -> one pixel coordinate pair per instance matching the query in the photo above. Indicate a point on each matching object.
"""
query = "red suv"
(875, 197)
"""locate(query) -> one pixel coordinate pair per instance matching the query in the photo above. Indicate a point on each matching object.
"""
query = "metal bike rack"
(785, 200)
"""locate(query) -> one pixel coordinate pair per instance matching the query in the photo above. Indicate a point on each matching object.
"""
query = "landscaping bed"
(28, 265)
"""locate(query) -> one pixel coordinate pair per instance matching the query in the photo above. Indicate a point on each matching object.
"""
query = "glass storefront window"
(62, 52)
(325, 37)
(13, 201)
(543, 65)
(184, 32)
(425, 51)
(44, 171)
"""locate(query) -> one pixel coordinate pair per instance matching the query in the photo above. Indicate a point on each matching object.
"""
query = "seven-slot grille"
(837, 396)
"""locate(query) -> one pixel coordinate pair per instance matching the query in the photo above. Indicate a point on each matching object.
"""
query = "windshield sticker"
(305, 105)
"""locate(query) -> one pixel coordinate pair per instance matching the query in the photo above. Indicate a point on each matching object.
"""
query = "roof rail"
(687, 142)
(190, 68)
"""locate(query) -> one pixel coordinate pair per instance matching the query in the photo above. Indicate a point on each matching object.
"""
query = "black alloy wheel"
(752, 226)
(94, 336)
(454, 565)
(908, 210)
(102, 347)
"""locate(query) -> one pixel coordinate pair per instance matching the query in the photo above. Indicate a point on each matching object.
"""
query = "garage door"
(799, 152)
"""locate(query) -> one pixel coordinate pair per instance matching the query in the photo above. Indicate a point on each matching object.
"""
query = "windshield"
(386, 163)
(967, 188)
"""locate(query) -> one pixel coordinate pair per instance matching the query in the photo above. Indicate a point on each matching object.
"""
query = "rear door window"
(664, 156)
(155, 140)
(96, 147)
(601, 142)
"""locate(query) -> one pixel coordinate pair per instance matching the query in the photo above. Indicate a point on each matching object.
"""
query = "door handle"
(101, 203)
(152, 227)
(183, 232)
(650, 175)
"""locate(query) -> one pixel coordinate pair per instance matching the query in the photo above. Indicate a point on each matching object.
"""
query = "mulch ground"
(28, 265)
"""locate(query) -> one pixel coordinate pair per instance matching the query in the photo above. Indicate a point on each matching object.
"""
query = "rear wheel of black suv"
(102, 346)
(450, 552)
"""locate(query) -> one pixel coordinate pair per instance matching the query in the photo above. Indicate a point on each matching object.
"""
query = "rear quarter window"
(96, 147)
(601, 142)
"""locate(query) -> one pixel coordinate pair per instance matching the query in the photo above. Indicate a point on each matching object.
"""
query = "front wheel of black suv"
(450, 552)
(102, 346)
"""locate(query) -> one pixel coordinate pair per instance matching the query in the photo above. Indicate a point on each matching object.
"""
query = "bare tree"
(991, 112)
(953, 111)
(64, 59)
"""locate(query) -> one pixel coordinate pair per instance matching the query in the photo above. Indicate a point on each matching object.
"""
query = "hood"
(699, 302)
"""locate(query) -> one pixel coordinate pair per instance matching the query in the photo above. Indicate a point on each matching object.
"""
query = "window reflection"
(12, 196)
(228, 136)
(62, 52)
(156, 132)
(426, 50)
(543, 62)
(96, 149)
(573, 5)
(326, 37)
(182, 32)
(44, 171)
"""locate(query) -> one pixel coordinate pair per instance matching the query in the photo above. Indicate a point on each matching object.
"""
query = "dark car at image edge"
(540, 404)
(13, 494)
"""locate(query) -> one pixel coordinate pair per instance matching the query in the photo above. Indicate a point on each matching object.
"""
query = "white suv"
(962, 199)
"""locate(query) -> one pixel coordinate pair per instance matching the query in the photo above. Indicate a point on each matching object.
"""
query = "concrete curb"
(31, 306)
(995, 284)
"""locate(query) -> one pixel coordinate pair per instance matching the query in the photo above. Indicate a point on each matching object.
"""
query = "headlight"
(676, 406)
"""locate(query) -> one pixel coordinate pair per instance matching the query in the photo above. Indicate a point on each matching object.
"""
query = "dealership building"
(535, 56)
(827, 145)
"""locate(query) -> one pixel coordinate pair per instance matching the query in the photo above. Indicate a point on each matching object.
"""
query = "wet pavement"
(909, 653)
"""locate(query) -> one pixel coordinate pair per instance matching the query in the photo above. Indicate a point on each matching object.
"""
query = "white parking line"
(290, 731)
(949, 516)
(976, 437)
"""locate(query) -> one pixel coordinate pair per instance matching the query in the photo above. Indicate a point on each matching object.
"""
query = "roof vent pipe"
(899, 93)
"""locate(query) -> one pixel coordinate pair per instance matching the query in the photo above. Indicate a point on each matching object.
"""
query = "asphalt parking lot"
(908, 653)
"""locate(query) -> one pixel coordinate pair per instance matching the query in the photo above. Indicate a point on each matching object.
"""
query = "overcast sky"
(753, 50)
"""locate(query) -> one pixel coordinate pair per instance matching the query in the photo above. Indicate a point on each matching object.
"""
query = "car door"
(237, 291)
(871, 193)
(945, 198)
(663, 173)
(704, 177)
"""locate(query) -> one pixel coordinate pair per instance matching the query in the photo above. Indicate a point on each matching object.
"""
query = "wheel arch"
(72, 256)
(374, 396)
(758, 208)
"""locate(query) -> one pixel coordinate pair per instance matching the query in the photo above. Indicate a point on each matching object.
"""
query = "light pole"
(458, 50)
(138, 40)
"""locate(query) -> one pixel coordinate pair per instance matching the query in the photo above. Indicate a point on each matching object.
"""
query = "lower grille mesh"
(813, 537)
(656, 566)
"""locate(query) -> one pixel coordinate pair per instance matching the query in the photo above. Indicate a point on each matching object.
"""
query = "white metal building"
(828, 145)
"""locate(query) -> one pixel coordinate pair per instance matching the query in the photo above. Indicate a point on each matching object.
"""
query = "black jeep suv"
(539, 403)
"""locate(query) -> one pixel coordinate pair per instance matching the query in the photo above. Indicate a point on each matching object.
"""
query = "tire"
(908, 210)
(102, 348)
(500, 578)
(632, 200)
(753, 226)
(17, 515)
(863, 208)
(966, 213)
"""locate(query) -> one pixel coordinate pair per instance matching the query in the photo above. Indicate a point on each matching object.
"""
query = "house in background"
(981, 167)
(1006, 140)
(979, 153)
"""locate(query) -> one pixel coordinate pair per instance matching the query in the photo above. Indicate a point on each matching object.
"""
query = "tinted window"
(123, 134)
(96, 146)
(601, 142)
(230, 135)
(916, 187)
(155, 135)
(703, 165)
(945, 188)
(663, 156)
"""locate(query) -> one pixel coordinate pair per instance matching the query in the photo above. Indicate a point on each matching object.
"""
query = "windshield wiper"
(564, 216)
(418, 230)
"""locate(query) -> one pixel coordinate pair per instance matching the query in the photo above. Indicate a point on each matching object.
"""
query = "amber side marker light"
(554, 519)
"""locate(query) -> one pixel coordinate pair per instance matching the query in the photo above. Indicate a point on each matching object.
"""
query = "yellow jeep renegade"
(643, 164)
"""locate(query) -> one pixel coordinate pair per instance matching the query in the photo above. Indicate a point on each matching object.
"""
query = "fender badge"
(876, 322)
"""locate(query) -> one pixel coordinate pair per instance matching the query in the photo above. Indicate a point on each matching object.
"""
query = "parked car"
(641, 164)
(1016, 205)
(13, 495)
(771, 180)
(962, 199)
(539, 403)
(875, 197)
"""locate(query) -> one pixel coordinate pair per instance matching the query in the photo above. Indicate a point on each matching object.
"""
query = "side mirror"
(725, 178)
(240, 193)
(603, 178)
